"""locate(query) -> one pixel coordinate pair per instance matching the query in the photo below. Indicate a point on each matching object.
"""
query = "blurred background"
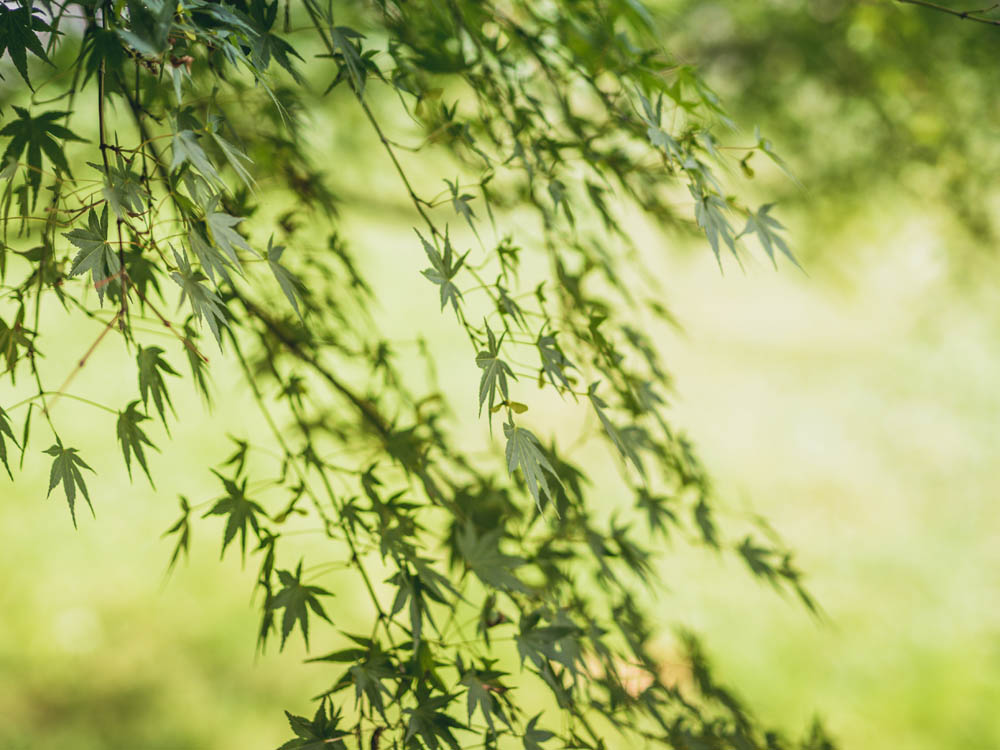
(855, 405)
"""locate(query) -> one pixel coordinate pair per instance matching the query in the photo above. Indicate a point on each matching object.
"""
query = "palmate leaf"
(5, 429)
(443, 270)
(524, 453)
(152, 367)
(766, 227)
(205, 304)
(708, 212)
(182, 527)
(18, 37)
(148, 31)
(241, 512)
(96, 254)
(37, 135)
(625, 440)
(297, 599)
(483, 556)
(554, 362)
(495, 372)
(431, 723)
(222, 232)
(66, 465)
(187, 149)
(132, 438)
(483, 686)
(322, 732)
(289, 283)
(533, 736)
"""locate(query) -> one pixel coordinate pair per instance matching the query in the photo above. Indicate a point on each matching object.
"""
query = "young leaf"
(66, 465)
(132, 438)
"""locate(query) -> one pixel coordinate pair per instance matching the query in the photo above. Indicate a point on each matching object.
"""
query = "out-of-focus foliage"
(869, 100)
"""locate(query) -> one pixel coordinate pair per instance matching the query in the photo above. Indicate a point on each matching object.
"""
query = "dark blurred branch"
(968, 15)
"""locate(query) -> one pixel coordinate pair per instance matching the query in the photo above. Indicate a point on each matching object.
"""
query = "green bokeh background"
(856, 406)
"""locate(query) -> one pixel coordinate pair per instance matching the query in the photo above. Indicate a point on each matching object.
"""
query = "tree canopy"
(163, 179)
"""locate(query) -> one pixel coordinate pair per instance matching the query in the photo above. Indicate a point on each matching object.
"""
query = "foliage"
(850, 91)
(497, 575)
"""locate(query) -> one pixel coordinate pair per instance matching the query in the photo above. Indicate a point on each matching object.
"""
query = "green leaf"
(37, 135)
(5, 429)
(205, 304)
(183, 530)
(290, 284)
(623, 439)
(222, 232)
(132, 437)
(241, 511)
(18, 37)
(152, 366)
(534, 737)
(149, 23)
(123, 188)
(297, 599)
(96, 254)
(708, 211)
(484, 558)
(524, 453)
(343, 39)
(554, 362)
(495, 372)
(322, 732)
(766, 227)
(443, 270)
(483, 686)
(66, 465)
(187, 149)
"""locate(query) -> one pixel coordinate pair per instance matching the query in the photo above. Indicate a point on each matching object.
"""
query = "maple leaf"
(17, 37)
(289, 283)
(37, 135)
(495, 372)
(151, 383)
(554, 362)
(443, 270)
(205, 304)
(5, 430)
(297, 599)
(132, 437)
(491, 566)
(766, 227)
(66, 465)
(96, 254)
(523, 452)
(241, 510)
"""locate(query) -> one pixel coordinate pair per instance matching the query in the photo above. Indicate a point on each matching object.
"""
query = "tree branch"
(966, 15)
